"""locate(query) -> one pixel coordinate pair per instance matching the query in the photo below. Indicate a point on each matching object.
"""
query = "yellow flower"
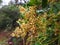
(32, 8)
(17, 28)
(17, 35)
(23, 25)
(27, 14)
(23, 34)
(13, 35)
(22, 10)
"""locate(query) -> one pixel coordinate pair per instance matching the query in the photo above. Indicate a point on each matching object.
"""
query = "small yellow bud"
(13, 35)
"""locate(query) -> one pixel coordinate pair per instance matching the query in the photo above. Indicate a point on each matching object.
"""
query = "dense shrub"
(7, 16)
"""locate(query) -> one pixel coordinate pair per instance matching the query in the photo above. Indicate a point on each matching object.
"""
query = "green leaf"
(34, 2)
(37, 43)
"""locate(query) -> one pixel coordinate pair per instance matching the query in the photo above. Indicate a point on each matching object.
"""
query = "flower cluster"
(36, 24)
